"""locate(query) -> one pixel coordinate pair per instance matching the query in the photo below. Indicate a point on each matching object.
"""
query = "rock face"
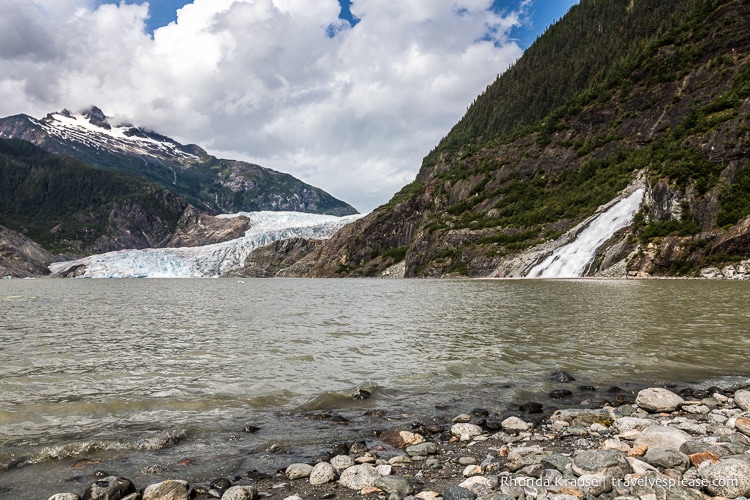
(196, 228)
(276, 259)
(20, 257)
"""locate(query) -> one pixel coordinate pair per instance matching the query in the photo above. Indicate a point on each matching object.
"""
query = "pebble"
(588, 453)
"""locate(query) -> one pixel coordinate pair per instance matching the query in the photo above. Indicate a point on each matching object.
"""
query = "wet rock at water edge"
(560, 394)
(531, 407)
(362, 394)
(561, 376)
(109, 487)
(167, 490)
(250, 429)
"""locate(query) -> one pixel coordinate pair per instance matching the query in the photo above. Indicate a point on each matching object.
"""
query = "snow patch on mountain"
(93, 130)
(211, 260)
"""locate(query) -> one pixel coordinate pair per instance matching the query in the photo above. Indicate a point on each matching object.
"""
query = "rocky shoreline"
(694, 445)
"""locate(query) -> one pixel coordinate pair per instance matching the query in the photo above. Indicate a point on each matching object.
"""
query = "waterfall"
(570, 260)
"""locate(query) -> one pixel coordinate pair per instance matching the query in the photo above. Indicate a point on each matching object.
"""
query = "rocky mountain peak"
(96, 116)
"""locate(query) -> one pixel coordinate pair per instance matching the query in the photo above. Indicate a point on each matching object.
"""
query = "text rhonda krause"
(593, 481)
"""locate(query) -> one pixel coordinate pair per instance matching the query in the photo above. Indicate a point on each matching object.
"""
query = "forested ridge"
(67, 205)
(615, 89)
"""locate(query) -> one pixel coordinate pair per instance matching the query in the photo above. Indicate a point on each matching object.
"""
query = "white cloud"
(260, 79)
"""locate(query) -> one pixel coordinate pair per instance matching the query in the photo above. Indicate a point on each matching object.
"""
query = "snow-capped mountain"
(209, 183)
(209, 260)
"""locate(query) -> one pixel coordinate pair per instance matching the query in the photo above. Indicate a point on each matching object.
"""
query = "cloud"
(283, 83)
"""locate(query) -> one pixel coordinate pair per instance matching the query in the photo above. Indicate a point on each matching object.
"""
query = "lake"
(156, 379)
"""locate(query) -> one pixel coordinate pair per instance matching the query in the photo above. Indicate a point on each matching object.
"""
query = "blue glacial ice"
(211, 260)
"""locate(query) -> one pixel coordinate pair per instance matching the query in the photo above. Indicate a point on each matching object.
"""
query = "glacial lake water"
(156, 379)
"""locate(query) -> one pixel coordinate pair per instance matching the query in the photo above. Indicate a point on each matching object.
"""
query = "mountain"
(619, 95)
(211, 184)
(20, 257)
(70, 207)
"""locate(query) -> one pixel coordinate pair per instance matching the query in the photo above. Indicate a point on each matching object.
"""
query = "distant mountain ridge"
(211, 184)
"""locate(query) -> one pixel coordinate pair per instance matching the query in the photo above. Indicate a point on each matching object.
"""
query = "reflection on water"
(127, 362)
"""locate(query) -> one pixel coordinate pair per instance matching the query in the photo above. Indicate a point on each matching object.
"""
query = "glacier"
(208, 261)
(571, 260)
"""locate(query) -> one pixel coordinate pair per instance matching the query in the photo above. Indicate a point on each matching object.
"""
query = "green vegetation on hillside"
(53, 199)
(614, 90)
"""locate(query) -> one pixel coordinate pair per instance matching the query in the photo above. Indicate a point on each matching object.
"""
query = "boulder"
(658, 400)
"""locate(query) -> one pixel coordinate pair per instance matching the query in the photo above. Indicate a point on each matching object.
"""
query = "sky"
(348, 96)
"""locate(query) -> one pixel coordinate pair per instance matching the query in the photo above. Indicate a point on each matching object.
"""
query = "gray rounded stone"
(109, 487)
(612, 463)
(466, 431)
(658, 400)
(728, 478)
(359, 476)
(662, 436)
(298, 471)
(523, 457)
(167, 490)
(241, 493)
(422, 449)
(742, 399)
(322, 473)
(395, 484)
(667, 458)
(594, 484)
(341, 462)
(458, 493)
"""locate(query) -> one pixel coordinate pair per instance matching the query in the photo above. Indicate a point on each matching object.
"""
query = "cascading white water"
(210, 260)
(570, 260)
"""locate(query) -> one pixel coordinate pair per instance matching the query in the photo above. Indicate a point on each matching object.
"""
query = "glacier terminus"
(209, 261)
